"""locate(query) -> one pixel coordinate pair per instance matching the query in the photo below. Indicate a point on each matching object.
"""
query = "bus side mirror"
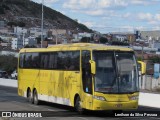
(93, 66)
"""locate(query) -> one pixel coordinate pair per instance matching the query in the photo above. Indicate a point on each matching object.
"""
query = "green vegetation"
(8, 63)
(18, 23)
(139, 58)
(103, 40)
(86, 39)
(119, 43)
(1, 10)
(32, 46)
(155, 59)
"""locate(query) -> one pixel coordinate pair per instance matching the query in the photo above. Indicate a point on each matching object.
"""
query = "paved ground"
(10, 101)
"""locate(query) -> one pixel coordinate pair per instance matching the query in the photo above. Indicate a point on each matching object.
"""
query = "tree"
(103, 40)
(8, 63)
(28, 46)
(155, 59)
(119, 43)
(1, 10)
(21, 24)
(38, 40)
(86, 39)
(11, 24)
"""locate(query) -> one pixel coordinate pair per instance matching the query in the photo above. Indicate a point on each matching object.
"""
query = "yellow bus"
(81, 75)
(142, 67)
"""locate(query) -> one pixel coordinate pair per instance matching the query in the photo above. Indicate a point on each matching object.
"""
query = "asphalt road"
(11, 102)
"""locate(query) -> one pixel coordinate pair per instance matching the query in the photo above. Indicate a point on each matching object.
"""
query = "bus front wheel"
(35, 97)
(78, 105)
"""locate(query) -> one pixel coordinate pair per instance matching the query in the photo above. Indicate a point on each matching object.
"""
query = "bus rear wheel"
(35, 97)
(29, 96)
(78, 106)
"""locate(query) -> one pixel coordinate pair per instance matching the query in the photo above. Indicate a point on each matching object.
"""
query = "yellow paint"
(143, 67)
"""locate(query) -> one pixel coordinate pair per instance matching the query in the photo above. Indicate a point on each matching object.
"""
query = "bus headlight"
(99, 98)
(133, 98)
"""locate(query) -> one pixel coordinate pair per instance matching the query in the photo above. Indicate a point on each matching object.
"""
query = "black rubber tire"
(29, 97)
(78, 106)
(35, 98)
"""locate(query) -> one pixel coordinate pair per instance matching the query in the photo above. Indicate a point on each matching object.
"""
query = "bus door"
(87, 83)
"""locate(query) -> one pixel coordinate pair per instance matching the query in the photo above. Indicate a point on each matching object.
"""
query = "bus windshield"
(116, 72)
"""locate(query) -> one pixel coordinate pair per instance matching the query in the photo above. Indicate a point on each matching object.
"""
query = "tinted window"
(53, 58)
(69, 60)
(21, 61)
(35, 60)
(29, 60)
(44, 57)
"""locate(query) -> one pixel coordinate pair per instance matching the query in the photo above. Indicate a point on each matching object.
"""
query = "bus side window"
(44, 60)
(21, 61)
(53, 60)
(86, 75)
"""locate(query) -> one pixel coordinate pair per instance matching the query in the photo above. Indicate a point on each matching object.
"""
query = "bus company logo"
(6, 114)
(21, 114)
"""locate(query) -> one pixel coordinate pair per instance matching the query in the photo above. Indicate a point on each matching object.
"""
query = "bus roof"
(76, 46)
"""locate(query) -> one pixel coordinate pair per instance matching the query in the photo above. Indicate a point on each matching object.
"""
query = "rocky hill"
(28, 13)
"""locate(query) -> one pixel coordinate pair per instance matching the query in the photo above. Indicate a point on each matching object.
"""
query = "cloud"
(48, 3)
(144, 2)
(95, 12)
(89, 24)
(94, 4)
(79, 4)
(106, 12)
(145, 16)
(140, 2)
(157, 17)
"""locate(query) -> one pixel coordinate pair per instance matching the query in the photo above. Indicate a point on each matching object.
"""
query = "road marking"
(51, 110)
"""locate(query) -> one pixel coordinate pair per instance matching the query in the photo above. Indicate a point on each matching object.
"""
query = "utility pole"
(42, 26)
(142, 51)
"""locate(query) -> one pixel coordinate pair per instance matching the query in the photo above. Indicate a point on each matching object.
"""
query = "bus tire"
(29, 96)
(78, 106)
(35, 97)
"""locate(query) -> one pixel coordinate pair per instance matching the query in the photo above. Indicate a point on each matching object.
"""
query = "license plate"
(118, 105)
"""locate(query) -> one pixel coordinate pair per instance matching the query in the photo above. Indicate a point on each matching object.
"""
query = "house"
(20, 30)
(150, 35)
(21, 42)
(36, 32)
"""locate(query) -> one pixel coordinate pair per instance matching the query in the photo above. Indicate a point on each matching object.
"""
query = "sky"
(110, 15)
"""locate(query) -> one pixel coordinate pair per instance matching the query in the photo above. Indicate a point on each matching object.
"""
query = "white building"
(79, 36)
(58, 31)
(15, 44)
(20, 30)
(20, 42)
(36, 32)
(2, 24)
(6, 38)
(30, 41)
